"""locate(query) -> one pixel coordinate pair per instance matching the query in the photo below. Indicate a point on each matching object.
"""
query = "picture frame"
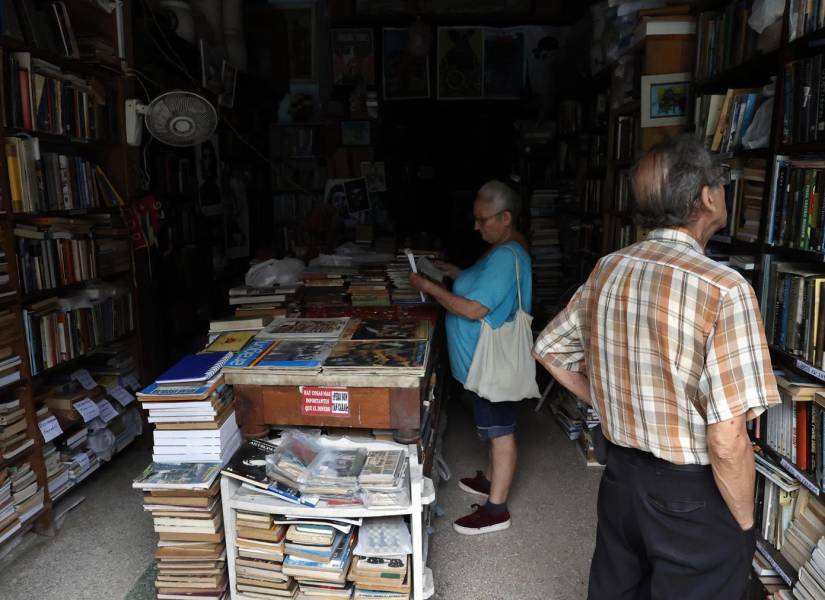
(353, 56)
(460, 68)
(355, 133)
(665, 99)
(405, 77)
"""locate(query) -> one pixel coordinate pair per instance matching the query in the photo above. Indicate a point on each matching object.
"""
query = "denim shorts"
(493, 419)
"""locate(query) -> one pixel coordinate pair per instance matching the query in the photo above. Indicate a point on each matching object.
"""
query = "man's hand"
(731, 458)
(422, 284)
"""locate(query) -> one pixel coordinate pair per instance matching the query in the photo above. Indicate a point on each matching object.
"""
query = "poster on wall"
(406, 77)
(504, 63)
(300, 26)
(460, 63)
(353, 57)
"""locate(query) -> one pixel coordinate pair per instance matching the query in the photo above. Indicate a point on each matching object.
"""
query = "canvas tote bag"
(503, 368)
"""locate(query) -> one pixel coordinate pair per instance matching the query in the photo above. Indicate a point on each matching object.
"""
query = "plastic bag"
(294, 454)
(274, 272)
(384, 536)
(765, 13)
(102, 443)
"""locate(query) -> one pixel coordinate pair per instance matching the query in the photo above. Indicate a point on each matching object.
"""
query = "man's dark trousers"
(665, 533)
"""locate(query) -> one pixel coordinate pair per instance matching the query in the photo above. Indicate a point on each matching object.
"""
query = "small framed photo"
(665, 99)
(355, 133)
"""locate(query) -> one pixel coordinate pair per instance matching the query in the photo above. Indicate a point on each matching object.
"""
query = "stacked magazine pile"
(193, 411)
(310, 470)
(318, 555)
(184, 501)
(274, 301)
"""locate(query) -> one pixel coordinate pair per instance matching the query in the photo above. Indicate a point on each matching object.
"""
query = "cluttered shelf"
(787, 359)
(78, 360)
(56, 291)
(18, 457)
(76, 65)
(780, 564)
(55, 139)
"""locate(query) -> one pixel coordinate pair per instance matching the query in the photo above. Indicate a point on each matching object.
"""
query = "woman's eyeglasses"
(483, 220)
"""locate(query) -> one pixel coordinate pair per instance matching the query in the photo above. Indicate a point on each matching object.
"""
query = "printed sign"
(107, 411)
(121, 395)
(49, 428)
(82, 459)
(84, 378)
(130, 381)
(87, 409)
(325, 401)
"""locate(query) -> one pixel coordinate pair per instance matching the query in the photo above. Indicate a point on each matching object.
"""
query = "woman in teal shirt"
(487, 290)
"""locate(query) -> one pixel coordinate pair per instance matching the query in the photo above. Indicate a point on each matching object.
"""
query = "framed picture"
(229, 78)
(355, 133)
(353, 57)
(460, 63)
(300, 26)
(665, 99)
(504, 63)
(358, 197)
(406, 77)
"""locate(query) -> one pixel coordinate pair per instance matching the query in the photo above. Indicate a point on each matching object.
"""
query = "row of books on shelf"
(40, 97)
(804, 17)
(803, 117)
(61, 329)
(49, 181)
(744, 196)
(63, 258)
(722, 121)
(591, 198)
(724, 39)
(622, 192)
(796, 216)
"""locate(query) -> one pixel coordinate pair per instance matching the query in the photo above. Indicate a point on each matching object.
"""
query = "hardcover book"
(304, 328)
(377, 355)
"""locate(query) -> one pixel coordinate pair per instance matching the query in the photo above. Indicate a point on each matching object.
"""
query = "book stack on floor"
(14, 437)
(259, 556)
(193, 411)
(567, 414)
(381, 567)
(9, 521)
(57, 473)
(184, 501)
(318, 555)
(27, 496)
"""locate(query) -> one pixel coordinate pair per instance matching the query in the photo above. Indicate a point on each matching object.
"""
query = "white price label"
(49, 428)
(87, 409)
(82, 459)
(121, 395)
(84, 378)
(107, 411)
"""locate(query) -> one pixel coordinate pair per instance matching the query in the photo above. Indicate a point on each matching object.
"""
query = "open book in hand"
(427, 267)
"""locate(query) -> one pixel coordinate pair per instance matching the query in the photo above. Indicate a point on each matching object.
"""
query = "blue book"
(249, 353)
(195, 367)
(318, 553)
(194, 391)
(750, 110)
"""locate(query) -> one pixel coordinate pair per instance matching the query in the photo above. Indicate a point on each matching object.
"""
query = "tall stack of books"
(26, 493)
(326, 286)
(184, 501)
(9, 521)
(193, 411)
(14, 437)
(811, 583)
(57, 473)
(259, 556)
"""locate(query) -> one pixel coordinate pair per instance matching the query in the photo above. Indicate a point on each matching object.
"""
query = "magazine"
(295, 354)
(303, 328)
(374, 329)
(377, 356)
(185, 476)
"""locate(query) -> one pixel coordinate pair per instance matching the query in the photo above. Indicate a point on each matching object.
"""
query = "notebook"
(195, 367)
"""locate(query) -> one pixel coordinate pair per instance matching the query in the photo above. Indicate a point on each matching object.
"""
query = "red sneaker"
(482, 521)
(477, 485)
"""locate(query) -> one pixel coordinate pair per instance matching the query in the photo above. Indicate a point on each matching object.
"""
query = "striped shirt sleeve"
(738, 375)
(561, 340)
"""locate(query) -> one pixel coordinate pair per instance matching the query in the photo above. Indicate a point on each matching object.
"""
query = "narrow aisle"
(104, 545)
(545, 555)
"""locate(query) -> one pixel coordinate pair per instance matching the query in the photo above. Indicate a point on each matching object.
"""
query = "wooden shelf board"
(753, 72)
(79, 359)
(79, 285)
(15, 459)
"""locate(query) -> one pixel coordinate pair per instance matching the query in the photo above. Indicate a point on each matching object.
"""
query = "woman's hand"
(421, 283)
(449, 270)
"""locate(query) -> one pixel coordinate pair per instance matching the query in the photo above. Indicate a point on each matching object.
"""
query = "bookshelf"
(65, 244)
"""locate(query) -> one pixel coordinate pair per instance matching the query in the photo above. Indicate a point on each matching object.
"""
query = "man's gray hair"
(667, 182)
(502, 196)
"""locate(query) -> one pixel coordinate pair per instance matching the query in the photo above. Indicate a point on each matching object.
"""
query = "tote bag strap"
(518, 278)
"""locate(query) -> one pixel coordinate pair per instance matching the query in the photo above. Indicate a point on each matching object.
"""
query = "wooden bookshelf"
(112, 154)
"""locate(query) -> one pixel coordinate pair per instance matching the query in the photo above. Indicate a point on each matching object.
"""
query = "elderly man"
(668, 346)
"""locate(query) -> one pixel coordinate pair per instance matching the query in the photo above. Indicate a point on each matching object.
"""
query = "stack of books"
(184, 501)
(811, 583)
(193, 411)
(318, 555)
(263, 297)
(9, 521)
(402, 292)
(326, 287)
(240, 322)
(259, 556)
(80, 464)
(56, 472)
(7, 289)
(26, 494)
(381, 567)
(369, 290)
(14, 437)
(9, 369)
(568, 416)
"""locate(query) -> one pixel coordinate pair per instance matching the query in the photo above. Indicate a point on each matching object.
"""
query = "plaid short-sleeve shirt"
(671, 341)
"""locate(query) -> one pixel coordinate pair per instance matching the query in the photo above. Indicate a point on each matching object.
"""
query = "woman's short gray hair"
(667, 181)
(502, 196)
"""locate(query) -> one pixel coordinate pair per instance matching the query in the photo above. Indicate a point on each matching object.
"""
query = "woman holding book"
(493, 290)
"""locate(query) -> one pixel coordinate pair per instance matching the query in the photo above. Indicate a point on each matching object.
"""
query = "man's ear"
(706, 199)
(507, 217)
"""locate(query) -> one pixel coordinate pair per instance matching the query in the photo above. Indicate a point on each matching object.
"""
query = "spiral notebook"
(195, 367)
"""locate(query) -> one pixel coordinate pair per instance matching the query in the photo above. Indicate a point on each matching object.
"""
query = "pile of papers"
(193, 411)
(184, 501)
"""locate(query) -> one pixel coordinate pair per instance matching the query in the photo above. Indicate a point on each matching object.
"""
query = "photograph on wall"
(460, 63)
(406, 77)
(375, 175)
(229, 79)
(443, 7)
(355, 133)
(211, 63)
(300, 25)
(665, 99)
(353, 57)
(504, 63)
(358, 197)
